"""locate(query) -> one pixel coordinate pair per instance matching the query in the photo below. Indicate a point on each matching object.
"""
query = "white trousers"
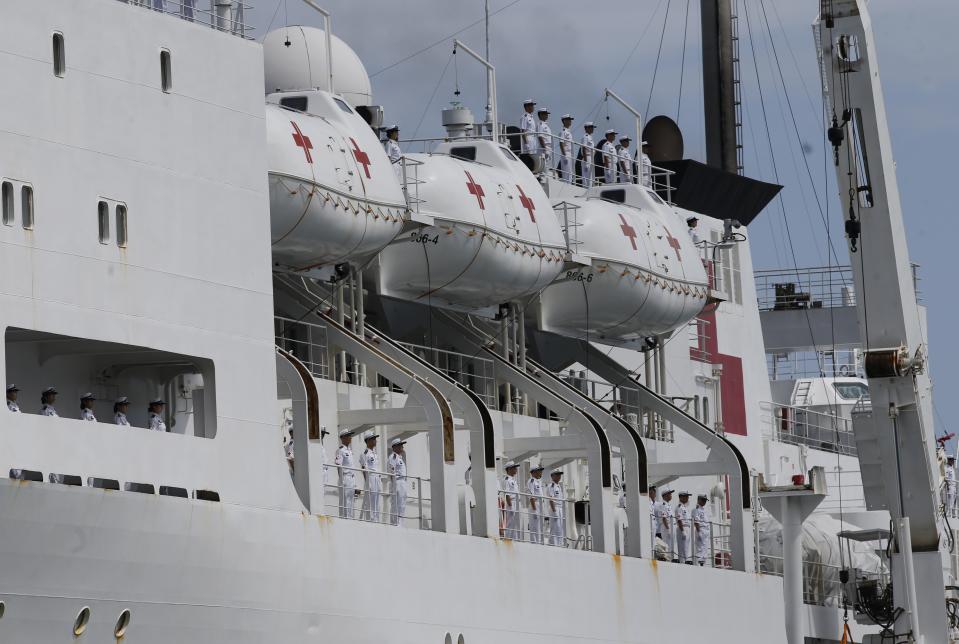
(535, 525)
(347, 496)
(682, 545)
(512, 522)
(557, 530)
(702, 546)
(371, 500)
(566, 169)
(610, 174)
(667, 537)
(399, 503)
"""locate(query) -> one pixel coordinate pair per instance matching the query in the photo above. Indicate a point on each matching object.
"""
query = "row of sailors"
(679, 526)
(618, 160)
(48, 399)
(543, 504)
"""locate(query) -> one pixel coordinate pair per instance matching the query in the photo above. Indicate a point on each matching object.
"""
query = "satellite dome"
(302, 64)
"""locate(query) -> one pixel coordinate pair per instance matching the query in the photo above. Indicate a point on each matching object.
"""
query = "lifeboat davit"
(334, 195)
(492, 236)
(641, 273)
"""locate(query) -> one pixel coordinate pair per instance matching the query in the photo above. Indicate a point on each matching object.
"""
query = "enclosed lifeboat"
(641, 274)
(334, 195)
(492, 235)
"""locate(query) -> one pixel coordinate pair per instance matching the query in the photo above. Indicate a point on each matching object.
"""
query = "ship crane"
(896, 438)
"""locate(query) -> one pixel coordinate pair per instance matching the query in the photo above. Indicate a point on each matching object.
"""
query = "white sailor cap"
(684, 493)
(12, 387)
(538, 468)
(50, 390)
(510, 464)
(611, 131)
(529, 101)
(393, 128)
(555, 471)
(703, 497)
(88, 396)
(122, 400)
(567, 116)
(369, 435)
(666, 491)
(625, 138)
(589, 124)
(543, 109)
(157, 401)
(397, 441)
(347, 432)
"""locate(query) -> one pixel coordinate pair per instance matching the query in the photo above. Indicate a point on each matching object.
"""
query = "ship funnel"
(458, 121)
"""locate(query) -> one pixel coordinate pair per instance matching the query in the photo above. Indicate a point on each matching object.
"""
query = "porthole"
(6, 197)
(166, 71)
(26, 207)
(80, 623)
(3, 609)
(121, 226)
(59, 55)
(461, 639)
(103, 221)
(122, 622)
(449, 639)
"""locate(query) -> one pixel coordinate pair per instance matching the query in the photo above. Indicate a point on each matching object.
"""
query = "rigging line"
(682, 64)
(802, 78)
(659, 53)
(792, 115)
(275, 12)
(443, 40)
(429, 103)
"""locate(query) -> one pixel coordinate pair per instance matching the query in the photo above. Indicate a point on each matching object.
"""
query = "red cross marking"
(475, 190)
(674, 243)
(628, 231)
(302, 141)
(527, 203)
(361, 157)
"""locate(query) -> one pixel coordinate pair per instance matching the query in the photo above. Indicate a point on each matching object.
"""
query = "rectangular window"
(103, 221)
(26, 207)
(121, 226)
(166, 71)
(6, 195)
(59, 55)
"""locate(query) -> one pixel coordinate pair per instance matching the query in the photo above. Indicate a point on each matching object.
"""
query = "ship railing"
(821, 585)
(307, 342)
(716, 551)
(569, 216)
(374, 506)
(801, 426)
(222, 15)
(408, 170)
(519, 521)
(805, 288)
(841, 363)
(845, 491)
(473, 372)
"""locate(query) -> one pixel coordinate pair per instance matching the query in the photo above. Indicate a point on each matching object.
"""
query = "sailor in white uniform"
(511, 501)
(534, 486)
(527, 125)
(701, 529)
(290, 450)
(12, 392)
(625, 160)
(566, 150)
(683, 529)
(86, 407)
(155, 414)
(391, 146)
(653, 526)
(344, 460)
(610, 157)
(692, 223)
(370, 464)
(120, 407)
(664, 521)
(545, 138)
(950, 486)
(557, 509)
(397, 467)
(645, 167)
(586, 152)
(47, 398)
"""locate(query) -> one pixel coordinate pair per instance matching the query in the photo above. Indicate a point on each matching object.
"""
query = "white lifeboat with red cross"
(492, 235)
(642, 274)
(334, 195)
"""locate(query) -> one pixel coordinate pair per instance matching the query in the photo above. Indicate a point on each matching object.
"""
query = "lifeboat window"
(509, 154)
(166, 70)
(121, 226)
(619, 196)
(342, 105)
(103, 221)
(465, 153)
(59, 55)
(295, 103)
(6, 195)
(26, 207)
(655, 197)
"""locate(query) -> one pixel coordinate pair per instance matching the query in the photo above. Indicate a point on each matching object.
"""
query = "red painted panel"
(734, 394)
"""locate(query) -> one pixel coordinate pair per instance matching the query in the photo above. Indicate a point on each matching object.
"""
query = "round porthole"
(449, 639)
(80, 623)
(122, 622)
(461, 639)
(3, 609)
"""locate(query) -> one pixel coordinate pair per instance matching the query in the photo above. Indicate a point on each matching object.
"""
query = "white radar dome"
(302, 64)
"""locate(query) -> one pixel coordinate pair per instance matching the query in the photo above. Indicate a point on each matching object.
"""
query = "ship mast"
(720, 85)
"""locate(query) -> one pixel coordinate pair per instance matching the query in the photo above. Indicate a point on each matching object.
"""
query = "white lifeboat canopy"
(294, 58)
(334, 195)
(642, 274)
(493, 236)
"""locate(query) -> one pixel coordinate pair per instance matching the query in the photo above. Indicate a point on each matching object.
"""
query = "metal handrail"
(517, 524)
(801, 426)
(223, 15)
(365, 511)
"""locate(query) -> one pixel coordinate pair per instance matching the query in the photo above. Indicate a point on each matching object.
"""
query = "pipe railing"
(222, 15)
(372, 504)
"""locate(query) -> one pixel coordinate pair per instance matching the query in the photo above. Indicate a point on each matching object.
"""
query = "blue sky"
(565, 53)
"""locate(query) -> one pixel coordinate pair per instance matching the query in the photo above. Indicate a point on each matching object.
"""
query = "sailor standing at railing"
(683, 529)
(566, 150)
(12, 392)
(397, 467)
(653, 524)
(701, 529)
(47, 398)
(156, 415)
(645, 167)
(545, 138)
(664, 521)
(391, 146)
(86, 407)
(950, 489)
(625, 162)
(527, 126)
(370, 463)
(347, 478)
(535, 488)
(120, 408)
(610, 157)
(511, 498)
(557, 509)
(586, 152)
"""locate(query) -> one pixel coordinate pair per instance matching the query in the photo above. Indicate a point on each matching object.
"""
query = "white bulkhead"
(494, 236)
(645, 275)
(334, 195)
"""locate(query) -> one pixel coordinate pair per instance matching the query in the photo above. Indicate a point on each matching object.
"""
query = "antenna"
(489, 85)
